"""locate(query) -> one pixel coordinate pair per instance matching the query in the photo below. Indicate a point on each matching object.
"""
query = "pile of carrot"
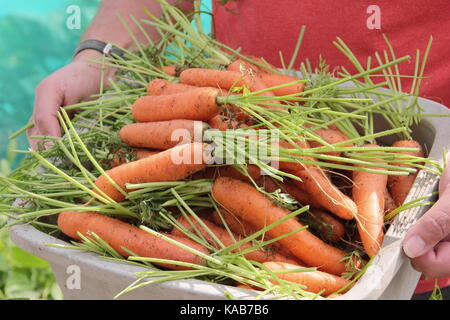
(171, 119)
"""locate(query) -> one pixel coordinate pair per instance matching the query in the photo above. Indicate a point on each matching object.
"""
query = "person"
(265, 27)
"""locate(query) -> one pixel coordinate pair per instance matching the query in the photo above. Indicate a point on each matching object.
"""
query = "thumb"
(430, 229)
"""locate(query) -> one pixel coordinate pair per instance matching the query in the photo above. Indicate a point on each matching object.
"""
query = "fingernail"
(414, 247)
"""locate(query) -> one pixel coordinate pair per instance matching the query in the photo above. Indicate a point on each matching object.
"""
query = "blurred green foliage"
(22, 275)
(34, 42)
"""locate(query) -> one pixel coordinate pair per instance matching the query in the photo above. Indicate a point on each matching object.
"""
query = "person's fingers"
(435, 263)
(48, 99)
(444, 181)
(430, 229)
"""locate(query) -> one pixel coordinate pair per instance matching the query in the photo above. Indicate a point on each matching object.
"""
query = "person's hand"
(68, 85)
(428, 241)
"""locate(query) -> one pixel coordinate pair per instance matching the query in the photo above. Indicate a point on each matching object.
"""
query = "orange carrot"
(162, 134)
(245, 229)
(249, 204)
(368, 193)
(196, 104)
(119, 235)
(399, 186)
(318, 185)
(170, 165)
(243, 65)
(330, 136)
(244, 286)
(389, 203)
(294, 166)
(299, 193)
(144, 153)
(121, 156)
(222, 79)
(261, 255)
(170, 70)
(159, 87)
(328, 226)
(257, 84)
(272, 80)
(235, 224)
(229, 171)
(296, 191)
(224, 123)
(226, 80)
(315, 281)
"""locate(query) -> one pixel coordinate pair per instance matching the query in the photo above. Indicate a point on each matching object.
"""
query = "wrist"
(92, 59)
(87, 54)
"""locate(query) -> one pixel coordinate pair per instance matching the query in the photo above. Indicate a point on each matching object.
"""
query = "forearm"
(107, 26)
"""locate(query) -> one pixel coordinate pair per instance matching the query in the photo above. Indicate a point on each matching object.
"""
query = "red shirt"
(264, 27)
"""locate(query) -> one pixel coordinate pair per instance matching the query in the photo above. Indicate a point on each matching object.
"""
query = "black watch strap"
(100, 46)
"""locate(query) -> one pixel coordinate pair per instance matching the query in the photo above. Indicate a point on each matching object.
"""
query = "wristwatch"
(100, 46)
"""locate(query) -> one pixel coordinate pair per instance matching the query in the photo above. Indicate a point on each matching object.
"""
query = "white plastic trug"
(389, 277)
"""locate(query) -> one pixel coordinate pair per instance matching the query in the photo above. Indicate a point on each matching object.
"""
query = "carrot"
(235, 224)
(296, 191)
(315, 281)
(399, 186)
(272, 80)
(260, 255)
(243, 65)
(196, 104)
(121, 156)
(244, 286)
(225, 80)
(249, 204)
(325, 193)
(119, 235)
(328, 226)
(389, 203)
(330, 136)
(245, 229)
(224, 123)
(368, 192)
(299, 193)
(162, 134)
(159, 167)
(144, 153)
(222, 79)
(294, 166)
(170, 70)
(317, 184)
(229, 171)
(159, 87)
